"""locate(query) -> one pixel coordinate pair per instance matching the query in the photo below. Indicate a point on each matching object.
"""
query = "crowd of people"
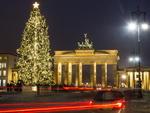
(17, 87)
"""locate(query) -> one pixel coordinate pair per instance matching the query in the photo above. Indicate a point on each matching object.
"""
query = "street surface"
(66, 102)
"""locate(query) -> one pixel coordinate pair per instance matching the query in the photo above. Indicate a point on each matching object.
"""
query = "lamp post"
(137, 25)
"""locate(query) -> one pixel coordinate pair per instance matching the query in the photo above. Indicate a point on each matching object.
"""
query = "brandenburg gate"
(85, 54)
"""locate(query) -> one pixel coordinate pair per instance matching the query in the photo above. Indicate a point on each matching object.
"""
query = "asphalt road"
(57, 101)
(125, 110)
(132, 106)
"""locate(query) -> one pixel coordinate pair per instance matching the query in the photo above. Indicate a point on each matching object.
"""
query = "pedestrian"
(8, 87)
(11, 86)
(19, 86)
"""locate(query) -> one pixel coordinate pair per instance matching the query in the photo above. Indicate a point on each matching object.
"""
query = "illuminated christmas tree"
(35, 62)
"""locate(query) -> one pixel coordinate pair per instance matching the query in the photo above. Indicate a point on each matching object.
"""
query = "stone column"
(65, 74)
(59, 74)
(93, 75)
(104, 75)
(76, 76)
(80, 74)
(115, 75)
(144, 80)
(69, 77)
(131, 80)
(128, 80)
(149, 80)
(134, 76)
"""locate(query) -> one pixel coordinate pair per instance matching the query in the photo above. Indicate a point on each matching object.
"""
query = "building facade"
(7, 63)
(130, 77)
(69, 65)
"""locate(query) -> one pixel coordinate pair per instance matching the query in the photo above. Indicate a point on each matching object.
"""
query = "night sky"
(104, 20)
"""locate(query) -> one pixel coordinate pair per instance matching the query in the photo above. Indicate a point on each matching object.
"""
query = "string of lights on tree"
(35, 62)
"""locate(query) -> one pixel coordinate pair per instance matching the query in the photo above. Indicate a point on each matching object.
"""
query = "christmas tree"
(35, 61)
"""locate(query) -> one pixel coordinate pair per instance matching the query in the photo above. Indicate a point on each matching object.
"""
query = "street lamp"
(137, 25)
(134, 59)
(133, 26)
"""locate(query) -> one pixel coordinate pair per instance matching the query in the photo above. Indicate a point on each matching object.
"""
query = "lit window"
(4, 82)
(0, 58)
(0, 82)
(0, 65)
(3, 65)
(4, 73)
(0, 73)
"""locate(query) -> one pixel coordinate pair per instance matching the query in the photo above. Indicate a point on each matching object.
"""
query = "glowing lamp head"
(131, 59)
(144, 26)
(132, 26)
(134, 59)
(137, 59)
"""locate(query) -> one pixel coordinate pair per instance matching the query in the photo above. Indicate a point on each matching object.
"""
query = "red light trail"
(68, 107)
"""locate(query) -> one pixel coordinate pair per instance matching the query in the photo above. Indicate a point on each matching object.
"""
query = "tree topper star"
(36, 5)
